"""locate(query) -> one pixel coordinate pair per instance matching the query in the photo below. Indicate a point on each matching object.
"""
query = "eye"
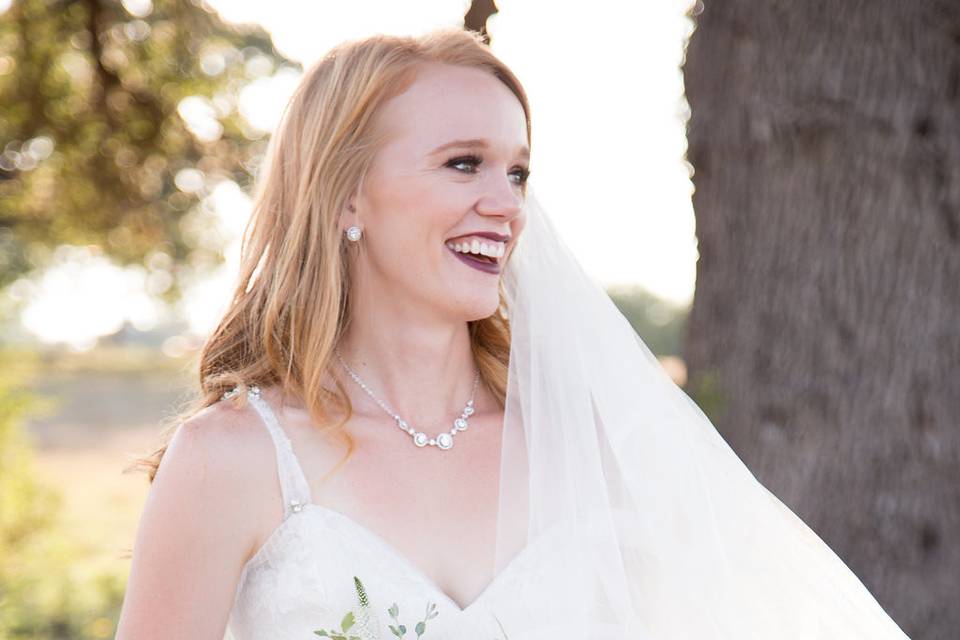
(472, 159)
(522, 172)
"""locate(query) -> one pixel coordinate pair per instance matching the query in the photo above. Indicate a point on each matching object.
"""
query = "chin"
(478, 307)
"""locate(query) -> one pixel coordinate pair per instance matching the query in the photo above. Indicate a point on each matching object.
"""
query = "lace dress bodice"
(302, 579)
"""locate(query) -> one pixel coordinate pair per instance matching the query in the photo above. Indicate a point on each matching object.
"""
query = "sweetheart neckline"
(390, 550)
(283, 442)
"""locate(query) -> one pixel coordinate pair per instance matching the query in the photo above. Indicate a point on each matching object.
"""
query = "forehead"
(447, 102)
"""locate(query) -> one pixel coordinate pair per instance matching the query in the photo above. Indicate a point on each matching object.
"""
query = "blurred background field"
(69, 423)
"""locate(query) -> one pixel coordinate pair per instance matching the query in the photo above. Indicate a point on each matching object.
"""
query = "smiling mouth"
(478, 256)
(479, 262)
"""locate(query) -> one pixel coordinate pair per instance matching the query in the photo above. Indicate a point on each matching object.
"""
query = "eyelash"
(475, 159)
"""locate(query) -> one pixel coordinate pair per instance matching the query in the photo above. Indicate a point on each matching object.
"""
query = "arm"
(197, 530)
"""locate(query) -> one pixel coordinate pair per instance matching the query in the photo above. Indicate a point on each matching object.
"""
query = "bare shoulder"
(213, 495)
(223, 428)
(224, 450)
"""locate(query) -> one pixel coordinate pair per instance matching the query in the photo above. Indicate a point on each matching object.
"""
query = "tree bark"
(825, 141)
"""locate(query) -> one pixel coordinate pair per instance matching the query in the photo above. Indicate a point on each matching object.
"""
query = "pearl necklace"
(443, 440)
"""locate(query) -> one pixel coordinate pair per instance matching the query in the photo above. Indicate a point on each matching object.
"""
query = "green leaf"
(393, 611)
(347, 621)
(420, 628)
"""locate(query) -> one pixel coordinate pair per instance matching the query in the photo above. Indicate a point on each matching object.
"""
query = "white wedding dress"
(302, 579)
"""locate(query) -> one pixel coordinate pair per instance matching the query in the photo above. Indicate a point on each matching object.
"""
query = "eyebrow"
(475, 143)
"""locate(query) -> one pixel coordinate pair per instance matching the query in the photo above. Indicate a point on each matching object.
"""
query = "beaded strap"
(293, 483)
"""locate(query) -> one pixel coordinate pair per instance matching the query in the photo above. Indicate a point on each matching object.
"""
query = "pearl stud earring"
(354, 233)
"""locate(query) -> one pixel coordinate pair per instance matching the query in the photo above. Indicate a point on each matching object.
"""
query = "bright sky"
(608, 142)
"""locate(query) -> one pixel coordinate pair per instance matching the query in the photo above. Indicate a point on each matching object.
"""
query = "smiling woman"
(392, 199)
(397, 278)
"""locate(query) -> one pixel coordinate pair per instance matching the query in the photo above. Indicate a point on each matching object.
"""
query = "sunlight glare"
(84, 295)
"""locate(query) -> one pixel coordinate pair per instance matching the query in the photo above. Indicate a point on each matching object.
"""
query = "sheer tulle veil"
(653, 526)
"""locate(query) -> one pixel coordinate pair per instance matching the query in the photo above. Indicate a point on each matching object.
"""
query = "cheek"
(415, 246)
(519, 223)
(517, 227)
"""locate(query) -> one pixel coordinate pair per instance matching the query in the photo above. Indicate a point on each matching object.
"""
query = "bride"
(420, 418)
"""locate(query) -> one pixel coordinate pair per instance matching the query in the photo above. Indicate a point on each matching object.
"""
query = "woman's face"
(426, 192)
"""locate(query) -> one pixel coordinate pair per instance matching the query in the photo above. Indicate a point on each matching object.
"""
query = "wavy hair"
(291, 303)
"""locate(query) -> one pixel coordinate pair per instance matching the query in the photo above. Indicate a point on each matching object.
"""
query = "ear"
(348, 216)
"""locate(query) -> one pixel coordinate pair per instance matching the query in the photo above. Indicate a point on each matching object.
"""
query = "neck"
(422, 371)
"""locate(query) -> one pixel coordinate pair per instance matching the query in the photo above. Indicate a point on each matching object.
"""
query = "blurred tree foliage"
(100, 146)
(660, 324)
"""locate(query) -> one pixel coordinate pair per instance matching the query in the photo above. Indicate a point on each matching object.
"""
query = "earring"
(354, 233)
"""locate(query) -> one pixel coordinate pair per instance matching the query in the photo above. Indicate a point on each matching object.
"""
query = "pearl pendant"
(444, 440)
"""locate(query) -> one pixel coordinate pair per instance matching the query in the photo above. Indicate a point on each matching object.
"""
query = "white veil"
(623, 512)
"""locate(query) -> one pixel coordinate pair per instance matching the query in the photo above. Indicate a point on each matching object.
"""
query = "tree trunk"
(825, 140)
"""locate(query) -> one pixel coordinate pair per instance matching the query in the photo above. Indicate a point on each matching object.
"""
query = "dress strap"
(293, 483)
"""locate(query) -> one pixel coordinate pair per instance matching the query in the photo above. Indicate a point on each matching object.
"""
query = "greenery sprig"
(367, 625)
(400, 630)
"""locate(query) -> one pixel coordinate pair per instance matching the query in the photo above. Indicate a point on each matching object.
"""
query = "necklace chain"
(443, 440)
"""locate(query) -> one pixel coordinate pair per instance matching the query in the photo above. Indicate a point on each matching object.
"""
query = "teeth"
(492, 250)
